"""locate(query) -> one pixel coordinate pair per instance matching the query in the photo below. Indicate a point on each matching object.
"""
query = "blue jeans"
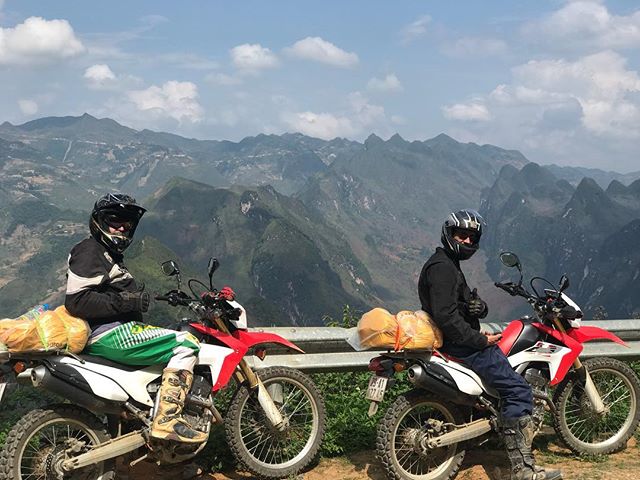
(493, 367)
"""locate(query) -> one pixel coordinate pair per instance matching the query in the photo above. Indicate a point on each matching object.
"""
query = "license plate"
(377, 387)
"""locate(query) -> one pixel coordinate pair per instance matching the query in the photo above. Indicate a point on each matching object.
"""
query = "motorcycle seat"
(110, 363)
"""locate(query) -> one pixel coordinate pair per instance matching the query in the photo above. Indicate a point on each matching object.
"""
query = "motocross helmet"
(467, 222)
(118, 211)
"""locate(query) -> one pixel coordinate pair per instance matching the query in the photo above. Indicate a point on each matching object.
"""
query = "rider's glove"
(135, 301)
(227, 293)
(476, 307)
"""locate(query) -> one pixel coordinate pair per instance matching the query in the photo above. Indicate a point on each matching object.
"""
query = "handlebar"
(512, 289)
(175, 298)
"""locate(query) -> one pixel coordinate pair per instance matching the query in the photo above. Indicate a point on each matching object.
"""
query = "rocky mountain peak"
(616, 188)
(373, 141)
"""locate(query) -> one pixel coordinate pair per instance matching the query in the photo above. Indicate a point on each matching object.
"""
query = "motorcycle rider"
(445, 295)
(101, 290)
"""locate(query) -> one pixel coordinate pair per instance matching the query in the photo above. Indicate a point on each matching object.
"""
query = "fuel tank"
(518, 336)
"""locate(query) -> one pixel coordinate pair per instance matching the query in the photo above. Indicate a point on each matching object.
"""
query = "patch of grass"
(549, 457)
(593, 458)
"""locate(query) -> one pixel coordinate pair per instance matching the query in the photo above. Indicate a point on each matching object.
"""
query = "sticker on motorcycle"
(543, 348)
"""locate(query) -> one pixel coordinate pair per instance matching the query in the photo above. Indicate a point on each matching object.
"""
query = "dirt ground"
(482, 464)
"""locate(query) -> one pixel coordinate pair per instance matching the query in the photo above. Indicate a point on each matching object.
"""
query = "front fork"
(589, 388)
(264, 397)
(244, 373)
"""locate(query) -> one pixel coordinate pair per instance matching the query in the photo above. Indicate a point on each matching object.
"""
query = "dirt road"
(481, 464)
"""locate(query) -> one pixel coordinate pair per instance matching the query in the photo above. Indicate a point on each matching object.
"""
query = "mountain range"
(304, 226)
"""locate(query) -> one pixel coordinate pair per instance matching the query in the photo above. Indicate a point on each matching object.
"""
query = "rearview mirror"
(510, 260)
(170, 268)
(564, 283)
(211, 268)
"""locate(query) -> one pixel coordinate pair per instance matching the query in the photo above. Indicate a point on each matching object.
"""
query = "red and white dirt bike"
(425, 432)
(274, 424)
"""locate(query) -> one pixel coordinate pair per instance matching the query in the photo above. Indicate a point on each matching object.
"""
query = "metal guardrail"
(327, 349)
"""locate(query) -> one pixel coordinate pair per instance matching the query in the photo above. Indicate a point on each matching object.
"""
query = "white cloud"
(415, 29)
(584, 111)
(390, 83)
(320, 125)
(602, 87)
(605, 89)
(320, 50)
(360, 116)
(475, 47)
(28, 107)
(177, 100)
(586, 24)
(467, 112)
(37, 40)
(99, 76)
(253, 57)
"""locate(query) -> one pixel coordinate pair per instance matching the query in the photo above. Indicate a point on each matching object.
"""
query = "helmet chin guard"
(468, 222)
(118, 212)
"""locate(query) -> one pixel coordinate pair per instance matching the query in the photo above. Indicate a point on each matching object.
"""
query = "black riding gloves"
(135, 301)
(476, 307)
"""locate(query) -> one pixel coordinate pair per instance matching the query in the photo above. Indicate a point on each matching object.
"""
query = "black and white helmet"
(122, 213)
(467, 222)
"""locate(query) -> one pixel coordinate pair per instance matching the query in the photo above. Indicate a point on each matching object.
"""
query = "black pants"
(493, 367)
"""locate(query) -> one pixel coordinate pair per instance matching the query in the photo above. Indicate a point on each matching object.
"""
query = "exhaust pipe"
(41, 377)
(436, 379)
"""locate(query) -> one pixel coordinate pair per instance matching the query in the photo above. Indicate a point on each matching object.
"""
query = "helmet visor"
(462, 234)
(120, 220)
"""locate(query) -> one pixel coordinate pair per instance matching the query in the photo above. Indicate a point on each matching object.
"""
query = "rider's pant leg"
(493, 367)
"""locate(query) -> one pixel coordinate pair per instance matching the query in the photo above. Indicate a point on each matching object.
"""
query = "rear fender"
(586, 334)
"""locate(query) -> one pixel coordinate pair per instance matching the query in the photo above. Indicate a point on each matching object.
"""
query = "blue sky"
(557, 80)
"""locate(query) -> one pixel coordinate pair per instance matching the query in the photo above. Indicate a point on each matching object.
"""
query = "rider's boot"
(168, 423)
(518, 437)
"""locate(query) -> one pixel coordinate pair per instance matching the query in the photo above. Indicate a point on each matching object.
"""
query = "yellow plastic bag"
(404, 331)
(52, 330)
(437, 333)
(78, 330)
(377, 329)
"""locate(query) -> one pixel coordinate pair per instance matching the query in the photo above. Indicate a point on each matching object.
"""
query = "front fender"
(255, 338)
(585, 334)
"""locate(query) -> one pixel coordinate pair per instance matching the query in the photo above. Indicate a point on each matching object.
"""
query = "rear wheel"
(410, 421)
(38, 444)
(580, 427)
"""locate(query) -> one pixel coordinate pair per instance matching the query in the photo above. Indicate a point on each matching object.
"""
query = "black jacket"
(444, 294)
(95, 278)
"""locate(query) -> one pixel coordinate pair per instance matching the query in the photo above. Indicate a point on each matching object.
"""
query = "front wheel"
(412, 420)
(587, 432)
(261, 448)
(38, 444)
